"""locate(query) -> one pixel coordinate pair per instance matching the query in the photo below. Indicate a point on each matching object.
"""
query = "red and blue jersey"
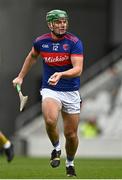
(56, 57)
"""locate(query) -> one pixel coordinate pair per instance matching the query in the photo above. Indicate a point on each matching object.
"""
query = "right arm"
(29, 61)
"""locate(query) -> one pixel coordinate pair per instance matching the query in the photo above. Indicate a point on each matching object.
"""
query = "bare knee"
(70, 135)
(50, 123)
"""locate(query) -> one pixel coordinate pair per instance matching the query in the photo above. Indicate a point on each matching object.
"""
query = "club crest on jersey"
(65, 47)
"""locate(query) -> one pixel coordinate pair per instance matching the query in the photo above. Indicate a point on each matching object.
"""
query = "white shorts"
(69, 100)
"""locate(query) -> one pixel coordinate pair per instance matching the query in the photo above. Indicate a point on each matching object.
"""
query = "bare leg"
(50, 109)
(70, 131)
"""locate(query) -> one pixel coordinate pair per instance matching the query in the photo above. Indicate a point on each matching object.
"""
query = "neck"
(56, 37)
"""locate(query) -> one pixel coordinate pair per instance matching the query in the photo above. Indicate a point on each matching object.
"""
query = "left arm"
(76, 70)
(77, 63)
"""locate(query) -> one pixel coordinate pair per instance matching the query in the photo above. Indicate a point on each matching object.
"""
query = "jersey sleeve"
(77, 48)
(36, 46)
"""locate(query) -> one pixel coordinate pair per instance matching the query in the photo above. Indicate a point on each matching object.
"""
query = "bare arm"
(77, 62)
(29, 61)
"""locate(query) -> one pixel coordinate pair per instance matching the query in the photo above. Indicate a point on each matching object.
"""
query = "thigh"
(71, 122)
(51, 104)
(50, 109)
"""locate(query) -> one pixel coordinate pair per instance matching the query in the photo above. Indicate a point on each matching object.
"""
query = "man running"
(62, 55)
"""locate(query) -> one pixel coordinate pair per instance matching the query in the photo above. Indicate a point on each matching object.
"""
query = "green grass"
(39, 168)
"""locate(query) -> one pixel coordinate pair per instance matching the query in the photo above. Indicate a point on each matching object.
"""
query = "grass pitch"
(39, 168)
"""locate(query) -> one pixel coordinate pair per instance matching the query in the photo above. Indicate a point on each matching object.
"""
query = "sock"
(7, 145)
(69, 161)
(57, 146)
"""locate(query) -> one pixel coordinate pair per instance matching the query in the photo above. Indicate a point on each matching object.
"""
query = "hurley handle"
(18, 88)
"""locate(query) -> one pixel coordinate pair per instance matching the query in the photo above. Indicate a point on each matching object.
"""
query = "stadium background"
(96, 22)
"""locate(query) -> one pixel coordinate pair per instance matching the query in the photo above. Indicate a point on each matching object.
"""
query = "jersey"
(56, 56)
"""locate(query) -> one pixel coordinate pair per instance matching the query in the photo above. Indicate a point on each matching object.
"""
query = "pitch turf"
(39, 168)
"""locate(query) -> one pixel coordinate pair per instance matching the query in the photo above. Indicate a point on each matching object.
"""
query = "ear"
(50, 26)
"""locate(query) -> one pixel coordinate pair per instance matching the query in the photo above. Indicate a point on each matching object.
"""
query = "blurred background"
(98, 24)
